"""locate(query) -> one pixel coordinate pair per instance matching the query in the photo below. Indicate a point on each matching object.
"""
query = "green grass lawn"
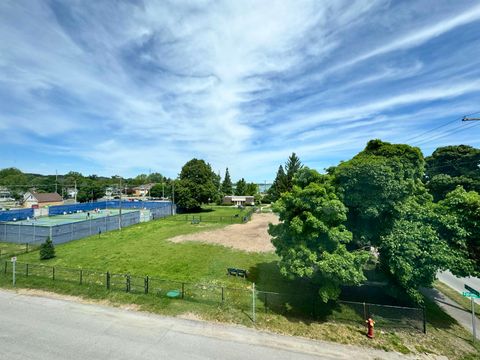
(144, 249)
(10, 249)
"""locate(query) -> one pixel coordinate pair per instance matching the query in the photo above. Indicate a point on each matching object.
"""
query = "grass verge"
(455, 296)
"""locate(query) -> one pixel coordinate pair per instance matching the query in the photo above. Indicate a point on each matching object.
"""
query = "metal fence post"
(223, 296)
(26, 270)
(424, 320)
(266, 303)
(183, 290)
(6, 264)
(108, 280)
(81, 276)
(145, 284)
(53, 272)
(128, 283)
(253, 302)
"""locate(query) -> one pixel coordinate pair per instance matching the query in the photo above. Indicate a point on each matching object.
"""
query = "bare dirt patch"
(252, 236)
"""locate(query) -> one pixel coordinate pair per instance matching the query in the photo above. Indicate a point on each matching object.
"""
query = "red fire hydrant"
(370, 325)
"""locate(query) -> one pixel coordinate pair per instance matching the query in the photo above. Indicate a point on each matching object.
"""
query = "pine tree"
(47, 250)
(241, 187)
(291, 167)
(279, 185)
(227, 188)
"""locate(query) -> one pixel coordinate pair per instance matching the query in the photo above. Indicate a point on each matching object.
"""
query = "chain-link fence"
(31, 233)
(8, 250)
(230, 219)
(252, 302)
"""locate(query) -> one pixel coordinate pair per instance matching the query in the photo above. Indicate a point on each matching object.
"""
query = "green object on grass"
(173, 294)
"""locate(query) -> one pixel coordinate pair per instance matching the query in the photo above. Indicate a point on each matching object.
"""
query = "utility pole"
(173, 196)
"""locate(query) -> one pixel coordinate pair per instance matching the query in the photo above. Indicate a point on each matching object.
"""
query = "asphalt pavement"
(458, 283)
(34, 327)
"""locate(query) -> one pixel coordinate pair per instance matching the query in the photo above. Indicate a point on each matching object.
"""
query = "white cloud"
(237, 83)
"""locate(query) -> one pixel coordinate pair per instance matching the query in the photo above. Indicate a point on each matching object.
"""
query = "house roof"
(47, 197)
(143, 187)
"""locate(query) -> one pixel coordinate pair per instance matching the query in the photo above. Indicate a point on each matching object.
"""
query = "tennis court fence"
(59, 234)
(253, 302)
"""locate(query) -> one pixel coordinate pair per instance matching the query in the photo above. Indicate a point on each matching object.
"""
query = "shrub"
(47, 250)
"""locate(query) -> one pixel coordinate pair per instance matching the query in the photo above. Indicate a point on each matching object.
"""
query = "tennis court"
(69, 218)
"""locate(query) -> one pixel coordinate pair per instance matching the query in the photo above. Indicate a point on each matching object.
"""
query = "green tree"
(241, 187)
(452, 166)
(157, 190)
(227, 186)
(196, 185)
(90, 191)
(15, 181)
(155, 178)
(251, 189)
(423, 241)
(47, 250)
(311, 238)
(291, 167)
(279, 185)
(465, 207)
(374, 183)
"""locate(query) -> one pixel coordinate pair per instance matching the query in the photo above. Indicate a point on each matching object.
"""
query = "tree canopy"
(241, 187)
(196, 185)
(311, 238)
(452, 166)
(374, 183)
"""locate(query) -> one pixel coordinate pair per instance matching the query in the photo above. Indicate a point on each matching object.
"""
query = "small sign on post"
(472, 293)
(13, 260)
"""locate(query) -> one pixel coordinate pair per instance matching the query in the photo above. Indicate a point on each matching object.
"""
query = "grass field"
(11, 248)
(143, 249)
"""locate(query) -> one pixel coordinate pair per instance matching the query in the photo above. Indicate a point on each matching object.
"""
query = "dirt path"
(252, 236)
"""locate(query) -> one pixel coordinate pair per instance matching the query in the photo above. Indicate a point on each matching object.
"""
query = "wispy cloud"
(125, 87)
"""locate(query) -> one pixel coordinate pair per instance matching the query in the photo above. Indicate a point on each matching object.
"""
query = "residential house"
(34, 199)
(239, 200)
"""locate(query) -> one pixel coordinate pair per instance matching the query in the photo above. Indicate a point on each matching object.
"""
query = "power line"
(439, 136)
(438, 127)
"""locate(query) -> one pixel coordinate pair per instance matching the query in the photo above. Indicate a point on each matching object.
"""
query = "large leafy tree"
(465, 208)
(227, 187)
(374, 183)
(311, 238)
(197, 185)
(452, 166)
(90, 191)
(423, 240)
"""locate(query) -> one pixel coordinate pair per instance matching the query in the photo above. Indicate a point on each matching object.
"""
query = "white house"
(239, 200)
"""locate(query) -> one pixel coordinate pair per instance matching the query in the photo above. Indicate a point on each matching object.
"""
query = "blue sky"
(128, 87)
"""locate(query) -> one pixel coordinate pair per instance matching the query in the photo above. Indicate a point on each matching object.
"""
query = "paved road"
(458, 283)
(45, 328)
(453, 309)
